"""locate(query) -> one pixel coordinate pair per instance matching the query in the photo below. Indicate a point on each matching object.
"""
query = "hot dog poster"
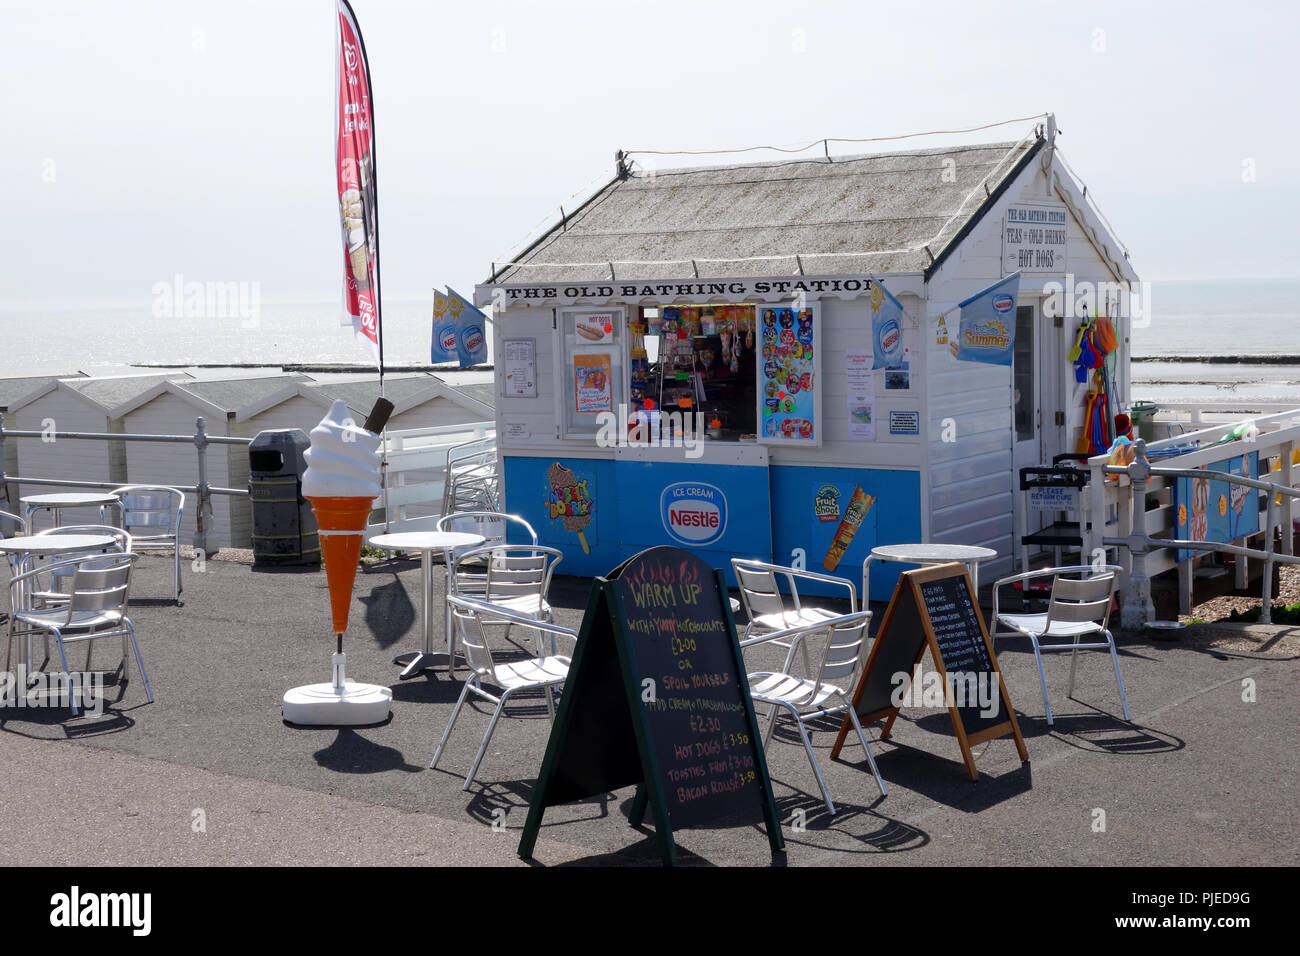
(786, 386)
(592, 384)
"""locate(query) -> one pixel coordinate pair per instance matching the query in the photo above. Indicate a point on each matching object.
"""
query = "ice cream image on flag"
(342, 482)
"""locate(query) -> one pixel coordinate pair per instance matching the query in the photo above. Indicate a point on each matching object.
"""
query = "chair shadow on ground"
(390, 615)
(1100, 732)
(807, 813)
(350, 752)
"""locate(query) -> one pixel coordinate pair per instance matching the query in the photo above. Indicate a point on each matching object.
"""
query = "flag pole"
(379, 307)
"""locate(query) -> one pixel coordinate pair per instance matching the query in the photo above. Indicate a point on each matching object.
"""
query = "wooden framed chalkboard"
(935, 609)
(657, 696)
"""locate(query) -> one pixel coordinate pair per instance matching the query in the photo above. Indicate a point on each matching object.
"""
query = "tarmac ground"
(209, 774)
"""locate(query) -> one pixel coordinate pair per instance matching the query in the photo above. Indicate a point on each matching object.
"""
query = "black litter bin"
(284, 528)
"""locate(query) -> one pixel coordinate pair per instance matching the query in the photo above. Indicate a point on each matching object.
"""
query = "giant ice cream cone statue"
(342, 482)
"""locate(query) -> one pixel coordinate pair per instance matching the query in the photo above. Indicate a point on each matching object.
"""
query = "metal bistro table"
(73, 499)
(22, 547)
(426, 542)
(925, 554)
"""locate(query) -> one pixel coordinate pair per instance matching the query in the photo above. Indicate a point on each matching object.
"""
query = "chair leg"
(853, 716)
(771, 726)
(67, 675)
(812, 759)
(482, 748)
(460, 702)
(550, 702)
(139, 660)
(1074, 654)
(1042, 677)
(1114, 656)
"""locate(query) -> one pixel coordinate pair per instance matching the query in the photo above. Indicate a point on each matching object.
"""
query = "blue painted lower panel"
(718, 511)
(809, 503)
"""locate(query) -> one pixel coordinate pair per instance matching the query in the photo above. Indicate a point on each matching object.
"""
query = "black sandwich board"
(656, 696)
(935, 608)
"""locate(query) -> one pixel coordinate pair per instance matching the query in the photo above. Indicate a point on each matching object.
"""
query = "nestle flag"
(354, 159)
(886, 328)
(988, 324)
(444, 331)
(471, 325)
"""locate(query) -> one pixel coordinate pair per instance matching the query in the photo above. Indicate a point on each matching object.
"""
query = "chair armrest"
(792, 573)
(496, 612)
(1045, 572)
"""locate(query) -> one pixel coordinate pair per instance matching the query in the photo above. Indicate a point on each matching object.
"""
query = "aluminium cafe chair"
(840, 643)
(152, 514)
(545, 672)
(96, 608)
(54, 589)
(494, 527)
(1079, 607)
(515, 577)
(766, 606)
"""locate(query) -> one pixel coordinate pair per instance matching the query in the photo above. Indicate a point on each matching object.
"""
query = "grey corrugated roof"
(855, 204)
(109, 393)
(238, 393)
(360, 396)
(480, 393)
(12, 389)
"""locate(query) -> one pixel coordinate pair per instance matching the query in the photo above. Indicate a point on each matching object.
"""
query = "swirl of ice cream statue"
(342, 482)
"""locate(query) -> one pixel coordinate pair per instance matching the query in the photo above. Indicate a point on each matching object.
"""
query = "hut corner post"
(1137, 610)
(203, 516)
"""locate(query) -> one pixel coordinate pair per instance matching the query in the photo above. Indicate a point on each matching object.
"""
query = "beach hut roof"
(883, 213)
(14, 390)
(109, 393)
(240, 398)
(404, 393)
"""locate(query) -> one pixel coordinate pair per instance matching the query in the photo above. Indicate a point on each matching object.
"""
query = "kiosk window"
(593, 376)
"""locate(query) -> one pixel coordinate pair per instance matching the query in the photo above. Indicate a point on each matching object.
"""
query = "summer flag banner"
(354, 159)
(988, 324)
(444, 331)
(886, 327)
(471, 337)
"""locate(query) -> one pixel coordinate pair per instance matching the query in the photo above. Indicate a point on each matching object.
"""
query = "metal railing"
(203, 519)
(1138, 608)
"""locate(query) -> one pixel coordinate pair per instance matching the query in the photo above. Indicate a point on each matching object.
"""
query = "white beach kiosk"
(786, 256)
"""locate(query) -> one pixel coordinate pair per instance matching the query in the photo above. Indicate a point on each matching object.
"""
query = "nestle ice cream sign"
(1003, 304)
(693, 512)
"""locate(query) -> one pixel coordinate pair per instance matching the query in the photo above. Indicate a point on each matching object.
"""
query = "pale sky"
(144, 139)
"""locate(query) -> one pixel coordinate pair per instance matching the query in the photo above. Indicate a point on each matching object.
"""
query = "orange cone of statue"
(342, 522)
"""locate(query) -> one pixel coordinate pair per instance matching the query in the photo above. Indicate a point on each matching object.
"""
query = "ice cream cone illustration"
(359, 256)
(342, 482)
(571, 501)
(854, 514)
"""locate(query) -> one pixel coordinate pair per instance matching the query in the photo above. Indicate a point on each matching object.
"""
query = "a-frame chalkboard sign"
(657, 696)
(935, 608)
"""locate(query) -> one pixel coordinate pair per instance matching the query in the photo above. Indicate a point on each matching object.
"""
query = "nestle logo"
(1002, 304)
(694, 513)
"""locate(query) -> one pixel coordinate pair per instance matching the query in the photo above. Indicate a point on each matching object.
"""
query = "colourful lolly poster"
(787, 386)
(592, 384)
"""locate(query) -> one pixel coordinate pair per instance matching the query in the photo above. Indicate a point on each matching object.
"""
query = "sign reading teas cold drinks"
(1033, 238)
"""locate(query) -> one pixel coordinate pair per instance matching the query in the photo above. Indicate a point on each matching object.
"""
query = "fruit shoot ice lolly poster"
(787, 387)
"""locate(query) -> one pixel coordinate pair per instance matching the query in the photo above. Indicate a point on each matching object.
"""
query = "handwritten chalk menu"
(657, 697)
(934, 608)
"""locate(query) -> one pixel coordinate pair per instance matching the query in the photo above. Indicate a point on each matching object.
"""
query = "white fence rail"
(416, 474)
(1109, 504)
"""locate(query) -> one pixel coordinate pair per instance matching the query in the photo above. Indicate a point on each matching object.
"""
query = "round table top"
(932, 553)
(426, 540)
(54, 543)
(70, 499)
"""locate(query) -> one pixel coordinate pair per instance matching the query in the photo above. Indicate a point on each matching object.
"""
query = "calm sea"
(1191, 319)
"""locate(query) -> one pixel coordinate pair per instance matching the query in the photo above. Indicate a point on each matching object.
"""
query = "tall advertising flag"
(471, 323)
(444, 331)
(354, 159)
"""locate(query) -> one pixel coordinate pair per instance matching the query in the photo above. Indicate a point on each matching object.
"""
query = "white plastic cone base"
(314, 705)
